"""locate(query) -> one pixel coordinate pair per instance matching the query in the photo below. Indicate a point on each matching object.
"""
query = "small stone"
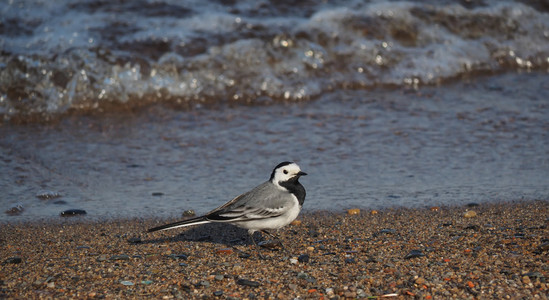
(146, 282)
(385, 231)
(435, 208)
(157, 194)
(224, 251)
(204, 283)
(310, 248)
(329, 291)
(218, 293)
(350, 260)
(126, 282)
(526, 280)
(472, 204)
(73, 212)
(51, 285)
(189, 213)
(353, 211)
(47, 195)
(178, 256)
(102, 257)
(293, 261)
(247, 282)
(303, 258)
(13, 260)
(349, 294)
(120, 257)
(470, 214)
(219, 277)
(413, 254)
(543, 247)
(296, 222)
(373, 212)
(134, 240)
(420, 280)
(269, 244)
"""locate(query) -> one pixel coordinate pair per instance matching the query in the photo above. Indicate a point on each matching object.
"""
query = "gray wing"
(264, 201)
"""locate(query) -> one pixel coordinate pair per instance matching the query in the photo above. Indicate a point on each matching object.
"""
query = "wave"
(95, 55)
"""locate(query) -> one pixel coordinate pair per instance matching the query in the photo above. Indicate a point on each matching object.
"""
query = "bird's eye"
(285, 171)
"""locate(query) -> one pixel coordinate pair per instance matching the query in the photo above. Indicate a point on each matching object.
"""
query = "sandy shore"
(402, 253)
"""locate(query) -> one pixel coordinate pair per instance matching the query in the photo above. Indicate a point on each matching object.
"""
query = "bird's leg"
(251, 234)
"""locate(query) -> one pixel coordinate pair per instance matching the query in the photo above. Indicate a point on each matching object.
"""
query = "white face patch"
(284, 173)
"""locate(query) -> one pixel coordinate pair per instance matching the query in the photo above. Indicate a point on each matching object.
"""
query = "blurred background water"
(148, 108)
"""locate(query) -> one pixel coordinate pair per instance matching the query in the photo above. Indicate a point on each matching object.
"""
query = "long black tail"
(189, 222)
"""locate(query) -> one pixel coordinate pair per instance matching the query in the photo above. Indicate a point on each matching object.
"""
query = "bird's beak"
(301, 174)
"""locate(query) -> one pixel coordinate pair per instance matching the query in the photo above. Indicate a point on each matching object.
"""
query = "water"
(383, 103)
(64, 56)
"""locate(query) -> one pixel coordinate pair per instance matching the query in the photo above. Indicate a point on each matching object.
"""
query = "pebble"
(296, 222)
(102, 257)
(51, 285)
(247, 282)
(414, 253)
(224, 251)
(543, 247)
(293, 261)
(73, 212)
(470, 214)
(46, 195)
(126, 282)
(303, 258)
(120, 257)
(350, 260)
(178, 256)
(420, 280)
(157, 194)
(13, 260)
(219, 277)
(353, 211)
(134, 240)
(204, 283)
(189, 213)
(218, 293)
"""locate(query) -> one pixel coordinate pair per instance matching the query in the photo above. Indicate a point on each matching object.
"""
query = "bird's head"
(286, 171)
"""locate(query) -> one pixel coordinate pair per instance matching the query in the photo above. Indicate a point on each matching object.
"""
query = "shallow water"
(477, 140)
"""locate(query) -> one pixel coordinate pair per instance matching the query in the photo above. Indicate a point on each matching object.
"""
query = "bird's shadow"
(218, 233)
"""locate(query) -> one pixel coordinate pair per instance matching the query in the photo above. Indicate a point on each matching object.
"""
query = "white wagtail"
(270, 205)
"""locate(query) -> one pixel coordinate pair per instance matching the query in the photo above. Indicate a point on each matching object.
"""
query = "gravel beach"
(475, 251)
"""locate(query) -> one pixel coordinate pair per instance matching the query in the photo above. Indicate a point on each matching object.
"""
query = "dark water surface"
(477, 140)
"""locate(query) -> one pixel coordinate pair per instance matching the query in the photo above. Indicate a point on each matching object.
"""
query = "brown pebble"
(224, 251)
(373, 212)
(420, 280)
(296, 222)
(353, 211)
(470, 214)
(435, 208)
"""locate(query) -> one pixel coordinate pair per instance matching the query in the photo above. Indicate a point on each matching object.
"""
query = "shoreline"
(424, 253)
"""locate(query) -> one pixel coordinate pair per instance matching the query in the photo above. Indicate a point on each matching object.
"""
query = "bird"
(270, 205)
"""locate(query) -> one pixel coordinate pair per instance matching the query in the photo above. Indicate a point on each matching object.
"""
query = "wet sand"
(499, 251)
